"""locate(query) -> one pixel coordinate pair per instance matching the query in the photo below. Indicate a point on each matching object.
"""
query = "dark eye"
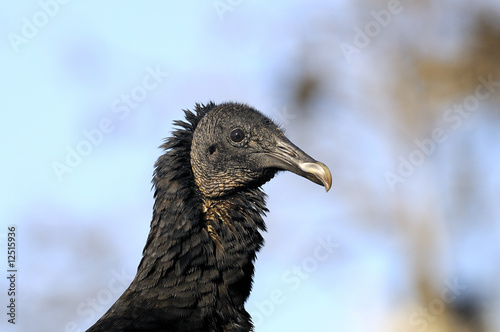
(237, 135)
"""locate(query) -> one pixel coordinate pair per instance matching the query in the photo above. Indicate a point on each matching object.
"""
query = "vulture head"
(235, 146)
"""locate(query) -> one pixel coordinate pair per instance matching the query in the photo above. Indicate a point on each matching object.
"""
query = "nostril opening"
(287, 151)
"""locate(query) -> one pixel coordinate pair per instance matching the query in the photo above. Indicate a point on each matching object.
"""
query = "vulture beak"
(285, 155)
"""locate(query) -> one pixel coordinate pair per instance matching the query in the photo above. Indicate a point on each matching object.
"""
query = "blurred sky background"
(399, 98)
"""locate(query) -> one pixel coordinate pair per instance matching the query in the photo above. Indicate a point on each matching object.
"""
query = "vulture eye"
(237, 135)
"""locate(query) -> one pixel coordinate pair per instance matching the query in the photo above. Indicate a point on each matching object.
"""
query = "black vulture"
(198, 262)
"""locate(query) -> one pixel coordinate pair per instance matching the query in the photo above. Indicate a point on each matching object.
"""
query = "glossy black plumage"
(197, 265)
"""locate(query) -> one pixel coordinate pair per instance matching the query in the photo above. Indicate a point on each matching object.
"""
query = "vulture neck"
(200, 247)
(191, 233)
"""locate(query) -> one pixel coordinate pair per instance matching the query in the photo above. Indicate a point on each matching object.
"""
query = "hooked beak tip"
(319, 172)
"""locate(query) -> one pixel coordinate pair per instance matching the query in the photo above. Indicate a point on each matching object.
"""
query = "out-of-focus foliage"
(400, 99)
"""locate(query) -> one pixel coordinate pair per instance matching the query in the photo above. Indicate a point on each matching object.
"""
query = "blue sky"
(106, 80)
